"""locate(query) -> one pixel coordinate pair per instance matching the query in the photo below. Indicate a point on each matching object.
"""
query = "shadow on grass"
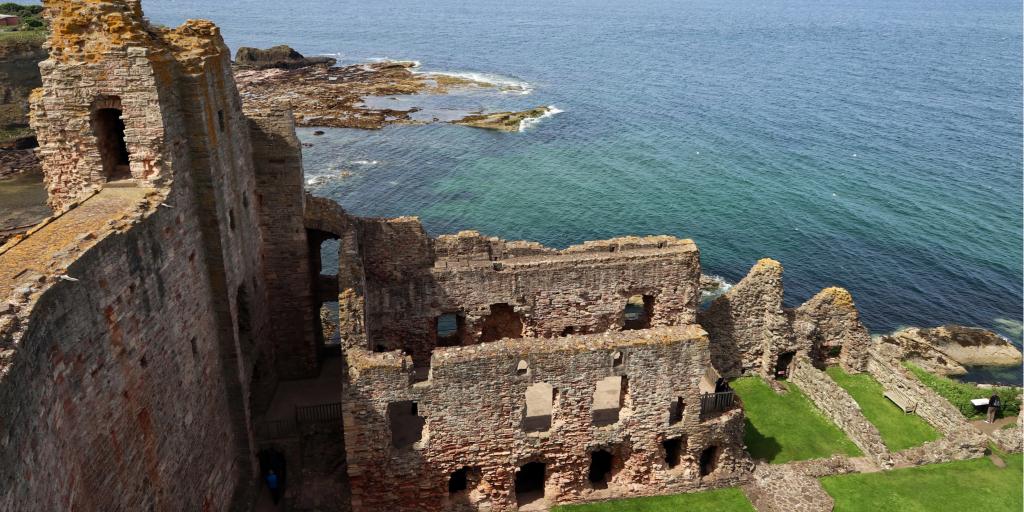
(760, 446)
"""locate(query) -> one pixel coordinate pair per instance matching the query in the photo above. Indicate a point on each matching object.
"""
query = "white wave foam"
(720, 287)
(530, 122)
(365, 162)
(415, 63)
(502, 83)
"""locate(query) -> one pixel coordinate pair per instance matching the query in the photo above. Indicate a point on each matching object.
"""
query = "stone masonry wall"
(748, 318)
(960, 441)
(582, 289)
(156, 357)
(280, 199)
(116, 388)
(473, 407)
(841, 408)
(749, 328)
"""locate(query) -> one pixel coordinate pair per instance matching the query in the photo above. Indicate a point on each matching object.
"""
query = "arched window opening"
(329, 256)
(522, 368)
(463, 480)
(638, 313)
(540, 401)
(502, 322)
(405, 423)
(108, 127)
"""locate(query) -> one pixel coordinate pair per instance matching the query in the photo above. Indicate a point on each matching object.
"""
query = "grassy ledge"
(784, 428)
(955, 486)
(960, 393)
(899, 430)
(721, 500)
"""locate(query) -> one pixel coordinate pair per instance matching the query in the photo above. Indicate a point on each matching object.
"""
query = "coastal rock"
(19, 75)
(281, 57)
(947, 349)
(325, 96)
(502, 121)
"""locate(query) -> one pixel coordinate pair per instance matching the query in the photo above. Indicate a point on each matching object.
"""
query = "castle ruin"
(146, 326)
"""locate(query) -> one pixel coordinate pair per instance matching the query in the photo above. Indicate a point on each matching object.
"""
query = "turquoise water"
(874, 145)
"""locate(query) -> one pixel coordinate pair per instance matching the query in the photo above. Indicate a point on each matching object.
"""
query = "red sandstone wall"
(584, 288)
(474, 404)
(115, 398)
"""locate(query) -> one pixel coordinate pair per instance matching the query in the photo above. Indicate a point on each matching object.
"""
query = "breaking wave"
(530, 122)
(502, 83)
(718, 288)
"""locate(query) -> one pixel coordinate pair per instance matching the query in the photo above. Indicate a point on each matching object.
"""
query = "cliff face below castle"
(19, 74)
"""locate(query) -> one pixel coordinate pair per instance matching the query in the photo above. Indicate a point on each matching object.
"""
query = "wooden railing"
(714, 403)
(304, 415)
(318, 413)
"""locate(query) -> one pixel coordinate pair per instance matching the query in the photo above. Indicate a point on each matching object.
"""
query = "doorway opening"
(530, 483)
(783, 365)
(108, 127)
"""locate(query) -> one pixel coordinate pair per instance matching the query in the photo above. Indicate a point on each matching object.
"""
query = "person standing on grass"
(993, 407)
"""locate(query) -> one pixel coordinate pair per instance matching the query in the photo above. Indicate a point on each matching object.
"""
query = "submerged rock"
(503, 121)
(281, 57)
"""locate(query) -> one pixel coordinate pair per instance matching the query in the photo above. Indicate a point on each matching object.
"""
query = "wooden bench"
(901, 400)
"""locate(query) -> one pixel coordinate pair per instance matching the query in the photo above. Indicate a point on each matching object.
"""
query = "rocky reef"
(333, 96)
(503, 121)
(281, 56)
(947, 349)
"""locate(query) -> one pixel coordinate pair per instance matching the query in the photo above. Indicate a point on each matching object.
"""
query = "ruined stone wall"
(280, 196)
(583, 289)
(750, 329)
(841, 408)
(930, 406)
(830, 324)
(473, 408)
(113, 386)
(746, 320)
(157, 355)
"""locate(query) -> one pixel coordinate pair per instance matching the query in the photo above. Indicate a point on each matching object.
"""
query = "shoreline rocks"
(281, 57)
(947, 349)
(333, 97)
(502, 121)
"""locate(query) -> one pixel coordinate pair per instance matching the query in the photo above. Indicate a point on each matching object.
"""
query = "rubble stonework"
(960, 440)
(751, 331)
(473, 406)
(841, 408)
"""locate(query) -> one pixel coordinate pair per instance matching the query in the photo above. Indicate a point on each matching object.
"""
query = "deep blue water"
(871, 144)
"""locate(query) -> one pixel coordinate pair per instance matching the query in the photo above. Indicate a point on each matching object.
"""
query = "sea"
(870, 144)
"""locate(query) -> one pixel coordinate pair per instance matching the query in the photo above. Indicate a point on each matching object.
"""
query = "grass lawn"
(721, 500)
(788, 427)
(956, 487)
(960, 393)
(899, 430)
